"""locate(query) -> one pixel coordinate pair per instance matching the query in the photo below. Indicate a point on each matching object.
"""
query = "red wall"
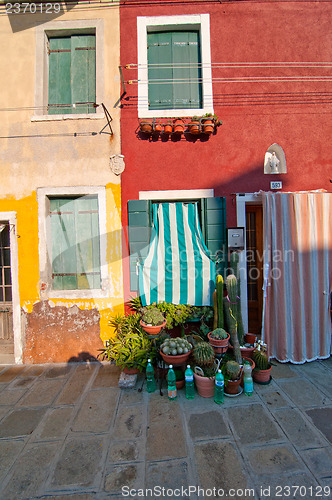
(295, 115)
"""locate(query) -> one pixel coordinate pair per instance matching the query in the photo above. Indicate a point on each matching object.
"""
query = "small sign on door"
(276, 185)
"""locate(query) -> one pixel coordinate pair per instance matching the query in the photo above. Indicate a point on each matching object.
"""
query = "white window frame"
(63, 28)
(45, 242)
(196, 21)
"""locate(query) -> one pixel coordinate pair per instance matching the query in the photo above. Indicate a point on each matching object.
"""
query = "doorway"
(6, 304)
(254, 245)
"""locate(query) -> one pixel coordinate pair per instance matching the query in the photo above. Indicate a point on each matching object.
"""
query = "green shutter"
(214, 228)
(72, 73)
(180, 51)
(59, 86)
(83, 72)
(139, 231)
(75, 243)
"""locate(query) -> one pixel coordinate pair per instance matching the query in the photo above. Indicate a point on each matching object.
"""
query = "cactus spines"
(234, 265)
(233, 308)
(215, 310)
(233, 369)
(261, 359)
(203, 354)
(220, 300)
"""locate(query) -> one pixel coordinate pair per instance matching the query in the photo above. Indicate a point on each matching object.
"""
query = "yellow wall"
(36, 154)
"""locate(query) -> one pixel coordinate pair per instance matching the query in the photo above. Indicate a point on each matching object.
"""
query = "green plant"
(153, 317)
(176, 346)
(203, 354)
(233, 313)
(233, 370)
(261, 359)
(219, 334)
(220, 300)
(130, 347)
(214, 118)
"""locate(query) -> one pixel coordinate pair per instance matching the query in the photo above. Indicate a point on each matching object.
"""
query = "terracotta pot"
(208, 126)
(168, 128)
(193, 127)
(146, 126)
(152, 330)
(180, 384)
(204, 385)
(232, 386)
(157, 127)
(179, 359)
(245, 351)
(262, 376)
(130, 371)
(250, 338)
(178, 127)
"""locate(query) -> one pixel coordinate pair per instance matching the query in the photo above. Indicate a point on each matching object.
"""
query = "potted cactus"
(262, 371)
(233, 378)
(219, 338)
(204, 369)
(194, 125)
(152, 321)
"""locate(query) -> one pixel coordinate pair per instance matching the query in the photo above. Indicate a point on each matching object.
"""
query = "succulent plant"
(233, 370)
(153, 317)
(261, 359)
(203, 354)
(219, 334)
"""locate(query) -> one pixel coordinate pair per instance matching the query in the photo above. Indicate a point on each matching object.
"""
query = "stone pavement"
(69, 432)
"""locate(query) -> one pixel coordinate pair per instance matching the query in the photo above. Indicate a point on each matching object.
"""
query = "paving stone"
(78, 496)
(30, 472)
(298, 430)
(56, 423)
(172, 474)
(11, 396)
(274, 460)
(129, 422)
(42, 393)
(319, 461)
(97, 410)
(322, 419)
(76, 384)
(219, 466)
(252, 424)
(165, 438)
(283, 370)
(4, 410)
(35, 370)
(131, 396)
(124, 476)
(21, 422)
(207, 425)
(123, 451)
(274, 399)
(23, 382)
(302, 392)
(58, 371)
(8, 452)
(79, 462)
(107, 376)
(11, 373)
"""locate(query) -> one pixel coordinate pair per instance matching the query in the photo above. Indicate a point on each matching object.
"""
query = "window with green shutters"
(75, 243)
(174, 70)
(72, 74)
(212, 213)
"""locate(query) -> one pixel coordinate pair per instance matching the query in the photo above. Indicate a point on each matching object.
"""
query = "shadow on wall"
(23, 16)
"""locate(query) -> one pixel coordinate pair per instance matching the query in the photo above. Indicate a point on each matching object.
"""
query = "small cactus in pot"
(203, 354)
(153, 317)
(233, 370)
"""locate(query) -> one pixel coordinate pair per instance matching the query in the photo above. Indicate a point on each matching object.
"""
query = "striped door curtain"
(178, 267)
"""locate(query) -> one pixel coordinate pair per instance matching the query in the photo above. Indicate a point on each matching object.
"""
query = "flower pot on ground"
(262, 376)
(204, 384)
(234, 374)
(262, 371)
(178, 126)
(130, 371)
(219, 338)
(204, 371)
(180, 381)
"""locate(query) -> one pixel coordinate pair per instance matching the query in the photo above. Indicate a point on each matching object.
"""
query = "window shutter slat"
(59, 89)
(160, 53)
(214, 230)
(139, 231)
(83, 72)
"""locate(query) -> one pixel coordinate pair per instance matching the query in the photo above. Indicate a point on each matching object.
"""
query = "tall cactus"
(233, 314)
(234, 267)
(220, 300)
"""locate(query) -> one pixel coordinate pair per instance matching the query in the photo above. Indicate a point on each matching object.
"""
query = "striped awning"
(178, 268)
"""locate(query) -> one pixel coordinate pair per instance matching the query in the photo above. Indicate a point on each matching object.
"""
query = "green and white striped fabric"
(178, 267)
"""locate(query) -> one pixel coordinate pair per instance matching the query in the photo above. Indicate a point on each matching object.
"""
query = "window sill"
(75, 294)
(90, 116)
(173, 113)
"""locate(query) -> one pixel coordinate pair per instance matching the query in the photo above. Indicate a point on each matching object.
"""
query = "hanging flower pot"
(146, 126)
(178, 127)
(157, 127)
(168, 128)
(208, 125)
(194, 126)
